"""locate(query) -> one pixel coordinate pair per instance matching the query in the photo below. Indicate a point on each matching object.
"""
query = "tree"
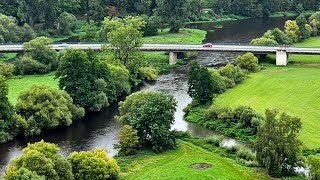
(28, 66)
(40, 160)
(129, 140)
(300, 8)
(314, 162)
(93, 165)
(249, 62)
(90, 30)
(234, 73)
(264, 42)
(152, 25)
(151, 114)
(200, 84)
(10, 123)
(92, 77)
(173, 13)
(46, 108)
(121, 78)
(40, 50)
(66, 23)
(314, 21)
(219, 84)
(125, 37)
(6, 69)
(305, 29)
(277, 35)
(292, 30)
(277, 143)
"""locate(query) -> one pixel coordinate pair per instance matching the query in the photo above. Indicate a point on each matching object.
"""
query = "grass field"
(17, 84)
(292, 89)
(190, 36)
(176, 164)
(7, 56)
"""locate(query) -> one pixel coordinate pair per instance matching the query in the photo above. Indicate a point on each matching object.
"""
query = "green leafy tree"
(10, 123)
(262, 41)
(249, 62)
(125, 37)
(173, 13)
(93, 165)
(66, 24)
(314, 21)
(277, 143)
(121, 78)
(40, 160)
(151, 114)
(314, 162)
(219, 84)
(40, 50)
(292, 30)
(305, 29)
(129, 140)
(28, 66)
(46, 108)
(200, 85)
(92, 77)
(233, 73)
(153, 23)
(300, 8)
(277, 35)
(6, 69)
(90, 30)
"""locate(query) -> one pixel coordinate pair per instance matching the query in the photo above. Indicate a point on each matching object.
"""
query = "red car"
(207, 45)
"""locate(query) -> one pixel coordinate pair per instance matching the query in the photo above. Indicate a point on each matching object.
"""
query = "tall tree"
(173, 12)
(277, 143)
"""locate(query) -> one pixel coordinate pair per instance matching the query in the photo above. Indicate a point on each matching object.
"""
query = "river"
(101, 130)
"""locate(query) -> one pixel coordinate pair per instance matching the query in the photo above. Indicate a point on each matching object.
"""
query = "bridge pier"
(281, 57)
(173, 56)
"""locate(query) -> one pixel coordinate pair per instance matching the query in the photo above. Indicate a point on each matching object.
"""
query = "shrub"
(181, 134)
(232, 72)
(219, 113)
(279, 36)
(246, 154)
(219, 83)
(233, 149)
(314, 162)
(247, 117)
(214, 140)
(263, 41)
(93, 165)
(46, 108)
(248, 61)
(6, 70)
(40, 160)
(27, 66)
(129, 140)
(148, 73)
(66, 23)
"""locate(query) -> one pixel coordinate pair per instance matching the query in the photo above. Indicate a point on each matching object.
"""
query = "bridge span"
(281, 51)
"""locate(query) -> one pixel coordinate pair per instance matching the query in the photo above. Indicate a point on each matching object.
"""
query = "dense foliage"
(151, 114)
(39, 161)
(277, 143)
(249, 62)
(92, 77)
(6, 69)
(28, 66)
(129, 140)
(93, 165)
(200, 85)
(46, 108)
(10, 123)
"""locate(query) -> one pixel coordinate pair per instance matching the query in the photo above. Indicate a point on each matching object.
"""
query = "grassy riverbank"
(7, 56)
(290, 13)
(292, 89)
(185, 36)
(176, 164)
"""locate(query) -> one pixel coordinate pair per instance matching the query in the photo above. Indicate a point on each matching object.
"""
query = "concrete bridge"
(173, 49)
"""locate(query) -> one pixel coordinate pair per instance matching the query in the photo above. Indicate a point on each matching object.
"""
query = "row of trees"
(43, 160)
(294, 31)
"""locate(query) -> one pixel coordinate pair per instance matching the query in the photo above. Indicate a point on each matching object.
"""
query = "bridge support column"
(173, 56)
(281, 57)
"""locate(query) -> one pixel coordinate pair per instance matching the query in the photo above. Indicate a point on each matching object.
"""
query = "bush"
(219, 113)
(314, 162)
(246, 154)
(40, 160)
(27, 66)
(219, 83)
(148, 73)
(234, 73)
(279, 36)
(248, 61)
(247, 117)
(233, 149)
(214, 140)
(181, 134)
(93, 165)
(6, 70)
(66, 23)
(46, 108)
(263, 41)
(129, 140)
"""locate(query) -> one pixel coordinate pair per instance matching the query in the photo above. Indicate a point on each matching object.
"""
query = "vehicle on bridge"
(63, 45)
(207, 45)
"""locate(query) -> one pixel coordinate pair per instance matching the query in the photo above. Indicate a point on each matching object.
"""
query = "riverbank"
(7, 56)
(220, 19)
(177, 164)
(291, 89)
(290, 13)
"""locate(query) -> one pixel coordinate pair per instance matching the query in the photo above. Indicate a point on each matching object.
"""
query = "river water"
(101, 130)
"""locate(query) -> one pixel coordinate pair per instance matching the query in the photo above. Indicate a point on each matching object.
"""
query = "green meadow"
(291, 89)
